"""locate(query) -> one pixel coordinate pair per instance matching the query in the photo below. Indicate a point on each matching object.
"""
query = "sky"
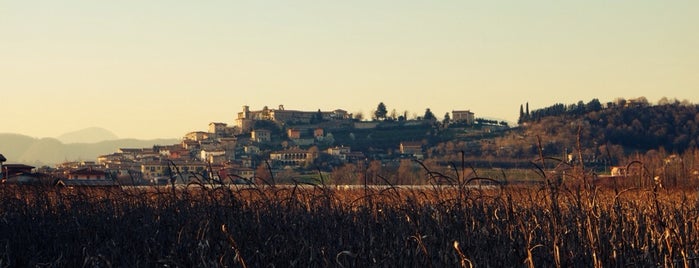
(161, 68)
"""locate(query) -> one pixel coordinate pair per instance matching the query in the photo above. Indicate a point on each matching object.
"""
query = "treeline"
(634, 124)
(672, 127)
(559, 109)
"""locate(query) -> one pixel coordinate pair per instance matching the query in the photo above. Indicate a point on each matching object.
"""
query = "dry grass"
(315, 226)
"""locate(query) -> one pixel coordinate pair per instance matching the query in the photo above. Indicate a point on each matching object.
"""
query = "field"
(328, 226)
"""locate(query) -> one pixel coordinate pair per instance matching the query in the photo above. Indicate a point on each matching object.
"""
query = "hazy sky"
(158, 69)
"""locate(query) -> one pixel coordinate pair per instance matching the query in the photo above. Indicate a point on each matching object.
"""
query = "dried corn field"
(317, 226)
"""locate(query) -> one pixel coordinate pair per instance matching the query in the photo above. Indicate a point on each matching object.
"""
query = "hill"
(48, 151)
(88, 135)
(608, 132)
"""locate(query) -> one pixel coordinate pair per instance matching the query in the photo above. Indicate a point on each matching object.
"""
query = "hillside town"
(259, 141)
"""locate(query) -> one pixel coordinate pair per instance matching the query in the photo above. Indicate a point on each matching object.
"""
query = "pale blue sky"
(158, 69)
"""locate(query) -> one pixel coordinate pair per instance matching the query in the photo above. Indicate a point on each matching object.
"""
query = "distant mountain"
(88, 135)
(49, 151)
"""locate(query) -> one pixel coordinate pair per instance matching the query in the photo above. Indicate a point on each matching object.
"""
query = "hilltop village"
(258, 145)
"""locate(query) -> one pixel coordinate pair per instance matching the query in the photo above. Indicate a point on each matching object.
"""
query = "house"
(217, 129)
(213, 156)
(342, 153)
(146, 155)
(18, 173)
(292, 157)
(318, 133)
(10, 170)
(463, 116)
(133, 153)
(293, 133)
(261, 135)
(339, 150)
(228, 143)
(410, 147)
(251, 149)
(181, 170)
(237, 174)
(87, 173)
(196, 136)
(179, 154)
(109, 158)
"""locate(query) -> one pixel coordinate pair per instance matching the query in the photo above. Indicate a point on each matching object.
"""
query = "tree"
(527, 110)
(663, 101)
(373, 171)
(393, 115)
(264, 173)
(429, 115)
(407, 173)
(447, 119)
(521, 114)
(381, 112)
(317, 117)
(359, 116)
(594, 105)
(346, 174)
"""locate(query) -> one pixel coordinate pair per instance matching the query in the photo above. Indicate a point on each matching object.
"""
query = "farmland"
(552, 224)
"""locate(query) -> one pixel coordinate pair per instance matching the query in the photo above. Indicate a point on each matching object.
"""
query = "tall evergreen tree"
(528, 110)
(447, 119)
(381, 112)
(429, 115)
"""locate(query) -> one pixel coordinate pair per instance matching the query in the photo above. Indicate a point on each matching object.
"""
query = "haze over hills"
(87, 135)
(19, 148)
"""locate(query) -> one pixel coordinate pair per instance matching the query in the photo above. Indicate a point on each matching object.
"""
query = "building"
(87, 173)
(413, 148)
(318, 133)
(292, 157)
(463, 116)
(237, 174)
(135, 153)
(153, 169)
(213, 156)
(18, 174)
(217, 129)
(196, 136)
(293, 133)
(109, 158)
(87, 177)
(340, 152)
(10, 170)
(247, 118)
(261, 135)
